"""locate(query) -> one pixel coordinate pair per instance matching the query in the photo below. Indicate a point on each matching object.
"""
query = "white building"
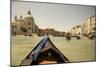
(90, 25)
(24, 25)
(76, 30)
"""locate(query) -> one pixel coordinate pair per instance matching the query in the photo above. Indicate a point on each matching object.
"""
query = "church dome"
(29, 12)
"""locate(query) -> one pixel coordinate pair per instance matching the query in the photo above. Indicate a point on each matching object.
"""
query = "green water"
(74, 50)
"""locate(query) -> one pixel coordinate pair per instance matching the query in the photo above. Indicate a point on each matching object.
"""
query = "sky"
(61, 17)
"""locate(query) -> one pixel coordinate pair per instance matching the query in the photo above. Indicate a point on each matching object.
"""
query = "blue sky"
(61, 17)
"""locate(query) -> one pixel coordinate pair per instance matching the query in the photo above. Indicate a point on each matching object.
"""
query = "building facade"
(89, 26)
(76, 30)
(24, 26)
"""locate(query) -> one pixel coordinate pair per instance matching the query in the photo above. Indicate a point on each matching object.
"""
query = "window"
(29, 28)
(29, 23)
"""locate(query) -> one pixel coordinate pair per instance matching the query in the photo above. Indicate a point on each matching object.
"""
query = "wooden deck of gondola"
(26, 62)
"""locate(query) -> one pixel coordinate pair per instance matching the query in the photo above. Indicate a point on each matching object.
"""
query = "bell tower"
(15, 18)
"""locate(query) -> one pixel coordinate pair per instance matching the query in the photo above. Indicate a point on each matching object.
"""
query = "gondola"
(44, 53)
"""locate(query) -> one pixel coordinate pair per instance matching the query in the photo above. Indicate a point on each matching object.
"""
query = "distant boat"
(44, 53)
